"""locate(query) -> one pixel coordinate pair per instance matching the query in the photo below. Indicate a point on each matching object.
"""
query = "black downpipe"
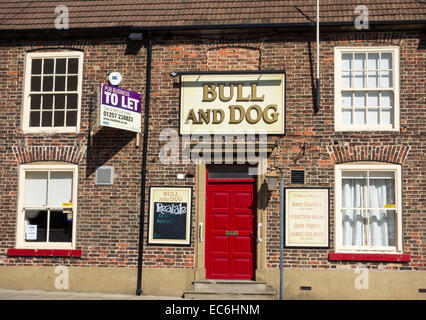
(144, 160)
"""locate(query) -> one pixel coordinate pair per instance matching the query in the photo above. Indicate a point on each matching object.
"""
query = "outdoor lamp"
(272, 180)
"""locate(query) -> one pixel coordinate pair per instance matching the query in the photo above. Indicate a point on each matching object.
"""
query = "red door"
(230, 236)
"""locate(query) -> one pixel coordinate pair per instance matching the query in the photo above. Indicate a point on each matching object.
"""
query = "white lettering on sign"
(171, 208)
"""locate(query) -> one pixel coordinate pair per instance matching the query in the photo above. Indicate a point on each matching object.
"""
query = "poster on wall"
(170, 215)
(307, 217)
(119, 108)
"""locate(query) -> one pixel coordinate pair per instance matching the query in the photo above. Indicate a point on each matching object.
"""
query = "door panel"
(230, 220)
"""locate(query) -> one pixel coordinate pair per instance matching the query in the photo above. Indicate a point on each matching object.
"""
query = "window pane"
(72, 101)
(360, 99)
(59, 119)
(71, 118)
(59, 101)
(373, 61)
(47, 101)
(72, 65)
(218, 172)
(60, 227)
(373, 116)
(386, 61)
(35, 119)
(72, 83)
(346, 80)
(60, 188)
(373, 99)
(386, 79)
(46, 119)
(381, 189)
(359, 62)
(61, 66)
(386, 116)
(35, 188)
(346, 99)
(48, 66)
(359, 80)
(359, 116)
(47, 83)
(35, 84)
(352, 228)
(35, 226)
(347, 61)
(373, 80)
(382, 227)
(60, 83)
(36, 66)
(35, 101)
(347, 116)
(386, 99)
(353, 184)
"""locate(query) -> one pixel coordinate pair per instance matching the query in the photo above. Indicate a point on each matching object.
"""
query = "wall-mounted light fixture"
(173, 74)
(272, 180)
(135, 36)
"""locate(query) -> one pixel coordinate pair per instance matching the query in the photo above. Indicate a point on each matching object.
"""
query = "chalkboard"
(170, 215)
(170, 220)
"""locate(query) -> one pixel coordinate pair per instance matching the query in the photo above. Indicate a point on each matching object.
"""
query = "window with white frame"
(367, 88)
(368, 208)
(47, 206)
(52, 91)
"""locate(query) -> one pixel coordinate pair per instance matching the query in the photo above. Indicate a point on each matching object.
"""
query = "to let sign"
(306, 216)
(120, 109)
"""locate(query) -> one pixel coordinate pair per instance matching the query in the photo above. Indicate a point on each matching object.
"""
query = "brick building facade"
(105, 252)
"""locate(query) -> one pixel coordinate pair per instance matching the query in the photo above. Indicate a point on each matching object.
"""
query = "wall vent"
(104, 175)
(297, 177)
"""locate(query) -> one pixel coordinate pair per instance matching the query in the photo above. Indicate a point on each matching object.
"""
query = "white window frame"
(338, 125)
(374, 166)
(20, 234)
(26, 91)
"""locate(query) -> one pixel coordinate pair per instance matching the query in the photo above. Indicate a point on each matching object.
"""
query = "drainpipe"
(144, 160)
(318, 61)
(281, 236)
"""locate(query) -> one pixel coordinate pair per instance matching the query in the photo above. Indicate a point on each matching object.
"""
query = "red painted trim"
(368, 257)
(44, 253)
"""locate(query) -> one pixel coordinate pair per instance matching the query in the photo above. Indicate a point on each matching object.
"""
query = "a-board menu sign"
(307, 217)
(119, 108)
(170, 215)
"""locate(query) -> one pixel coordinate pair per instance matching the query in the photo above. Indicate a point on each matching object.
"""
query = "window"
(52, 92)
(47, 206)
(368, 208)
(367, 89)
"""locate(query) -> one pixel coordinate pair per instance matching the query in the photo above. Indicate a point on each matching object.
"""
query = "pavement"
(6, 294)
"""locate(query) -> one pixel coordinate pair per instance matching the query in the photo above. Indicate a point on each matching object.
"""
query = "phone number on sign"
(113, 115)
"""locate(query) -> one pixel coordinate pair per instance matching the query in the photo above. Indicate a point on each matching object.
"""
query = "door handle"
(200, 232)
(259, 226)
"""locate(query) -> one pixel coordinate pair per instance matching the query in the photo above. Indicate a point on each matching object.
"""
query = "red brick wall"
(108, 216)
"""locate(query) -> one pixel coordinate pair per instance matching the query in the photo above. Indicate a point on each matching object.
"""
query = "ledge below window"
(45, 253)
(390, 257)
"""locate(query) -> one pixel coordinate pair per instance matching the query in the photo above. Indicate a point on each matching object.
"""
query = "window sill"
(70, 253)
(390, 257)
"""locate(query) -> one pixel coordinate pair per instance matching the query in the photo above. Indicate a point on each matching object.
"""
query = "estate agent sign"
(119, 109)
(170, 215)
(228, 103)
(306, 217)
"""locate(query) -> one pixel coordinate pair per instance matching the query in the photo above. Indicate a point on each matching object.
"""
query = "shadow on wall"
(106, 143)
